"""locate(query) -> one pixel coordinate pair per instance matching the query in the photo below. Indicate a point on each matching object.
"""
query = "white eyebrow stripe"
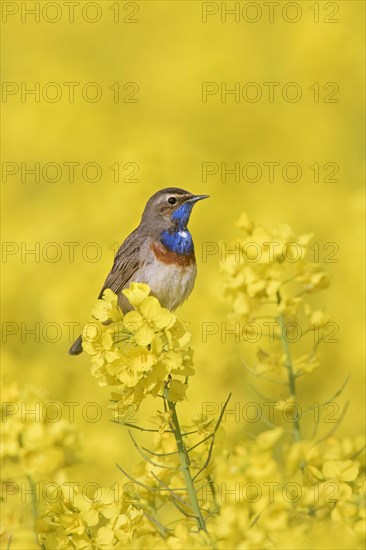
(165, 197)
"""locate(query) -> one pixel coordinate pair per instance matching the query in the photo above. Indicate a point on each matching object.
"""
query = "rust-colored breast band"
(172, 258)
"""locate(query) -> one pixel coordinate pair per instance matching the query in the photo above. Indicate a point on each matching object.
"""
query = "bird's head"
(171, 208)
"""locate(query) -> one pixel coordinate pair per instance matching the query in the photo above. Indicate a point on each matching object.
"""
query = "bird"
(159, 252)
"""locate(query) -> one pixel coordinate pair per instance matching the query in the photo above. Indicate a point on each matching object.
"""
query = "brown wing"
(126, 263)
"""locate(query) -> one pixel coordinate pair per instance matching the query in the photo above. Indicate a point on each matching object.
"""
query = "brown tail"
(77, 347)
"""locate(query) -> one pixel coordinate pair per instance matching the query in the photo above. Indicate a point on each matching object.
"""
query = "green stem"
(184, 461)
(290, 371)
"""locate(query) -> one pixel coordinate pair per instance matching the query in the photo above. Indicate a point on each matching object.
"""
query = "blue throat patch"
(179, 240)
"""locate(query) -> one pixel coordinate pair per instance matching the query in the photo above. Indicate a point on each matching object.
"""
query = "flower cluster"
(34, 449)
(133, 514)
(262, 494)
(269, 262)
(276, 492)
(105, 521)
(141, 352)
(278, 495)
(266, 284)
(266, 494)
(33, 444)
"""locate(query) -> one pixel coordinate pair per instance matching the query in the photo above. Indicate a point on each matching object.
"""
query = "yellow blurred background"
(164, 138)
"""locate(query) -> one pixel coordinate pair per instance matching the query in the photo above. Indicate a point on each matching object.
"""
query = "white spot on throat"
(183, 234)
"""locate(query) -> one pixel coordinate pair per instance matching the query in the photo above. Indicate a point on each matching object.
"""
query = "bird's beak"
(197, 198)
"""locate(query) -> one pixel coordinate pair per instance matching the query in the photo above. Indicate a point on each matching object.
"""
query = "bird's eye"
(172, 200)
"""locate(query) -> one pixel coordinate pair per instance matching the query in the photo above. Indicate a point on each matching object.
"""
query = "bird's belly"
(170, 283)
